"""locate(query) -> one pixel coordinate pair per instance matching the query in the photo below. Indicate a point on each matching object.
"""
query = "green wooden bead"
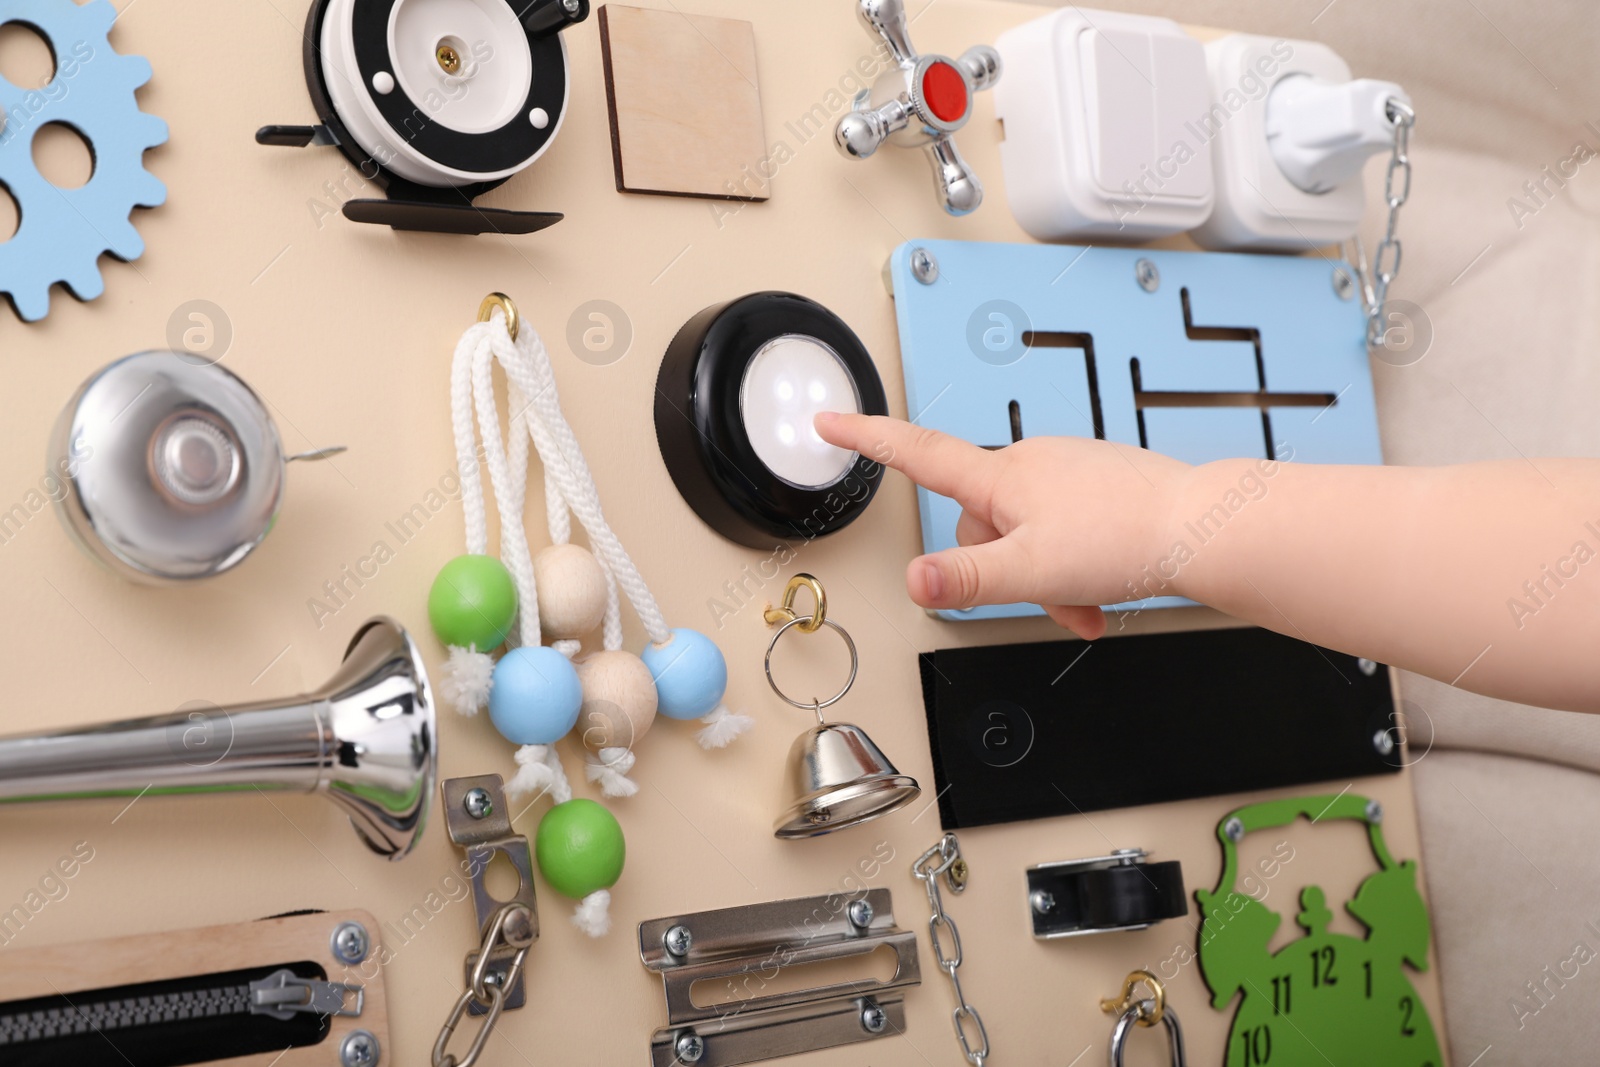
(580, 848)
(472, 603)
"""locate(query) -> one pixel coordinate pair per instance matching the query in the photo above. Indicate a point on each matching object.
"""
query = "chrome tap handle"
(921, 102)
(861, 132)
(887, 19)
(955, 183)
(983, 66)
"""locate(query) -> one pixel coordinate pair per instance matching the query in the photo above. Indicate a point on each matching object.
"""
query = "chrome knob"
(919, 103)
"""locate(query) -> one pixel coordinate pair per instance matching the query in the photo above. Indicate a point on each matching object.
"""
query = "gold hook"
(503, 302)
(1129, 1001)
(810, 624)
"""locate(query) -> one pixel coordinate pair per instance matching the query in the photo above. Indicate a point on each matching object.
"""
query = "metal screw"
(677, 941)
(350, 942)
(956, 876)
(1367, 667)
(1148, 276)
(572, 6)
(448, 58)
(874, 1020)
(494, 979)
(1374, 811)
(860, 913)
(924, 268)
(478, 803)
(1343, 284)
(1042, 902)
(359, 1049)
(1234, 829)
(1383, 741)
(690, 1047)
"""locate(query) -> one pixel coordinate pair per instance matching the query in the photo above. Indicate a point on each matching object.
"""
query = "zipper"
(179, 1021)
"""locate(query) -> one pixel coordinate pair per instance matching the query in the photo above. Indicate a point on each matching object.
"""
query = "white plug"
(1289, 130)
(1320, 133)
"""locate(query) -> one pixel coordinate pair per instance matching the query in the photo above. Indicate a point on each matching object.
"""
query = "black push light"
(738, 389)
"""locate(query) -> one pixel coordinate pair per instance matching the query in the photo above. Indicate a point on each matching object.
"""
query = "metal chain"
(944, 860)
(1386, 261)
(483, 987)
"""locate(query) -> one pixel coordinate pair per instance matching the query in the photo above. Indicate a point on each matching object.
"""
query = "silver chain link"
(944, 860)
(510, 926)
(1386, 261)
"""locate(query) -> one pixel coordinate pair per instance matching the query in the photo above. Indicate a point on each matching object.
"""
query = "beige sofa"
(1507, 795)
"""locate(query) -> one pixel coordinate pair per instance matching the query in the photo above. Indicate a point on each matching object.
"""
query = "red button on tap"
(944, 90)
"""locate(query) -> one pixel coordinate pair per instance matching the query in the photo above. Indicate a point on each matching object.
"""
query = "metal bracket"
(479, 821)
(748, 947)
(1103, 893)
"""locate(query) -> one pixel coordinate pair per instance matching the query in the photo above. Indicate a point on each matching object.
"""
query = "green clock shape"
(1326, 998)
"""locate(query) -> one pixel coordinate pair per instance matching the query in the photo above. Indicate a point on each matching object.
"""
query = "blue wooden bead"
(536, 696)
(690, 674)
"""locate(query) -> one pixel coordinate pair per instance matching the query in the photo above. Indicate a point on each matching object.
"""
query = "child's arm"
(1484, 575)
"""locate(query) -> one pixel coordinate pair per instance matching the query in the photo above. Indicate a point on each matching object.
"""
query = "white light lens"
(790, 379)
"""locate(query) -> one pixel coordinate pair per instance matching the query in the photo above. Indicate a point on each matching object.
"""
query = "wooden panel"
(685, 102)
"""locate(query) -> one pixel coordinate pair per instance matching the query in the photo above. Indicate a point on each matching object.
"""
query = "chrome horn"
(366, 739)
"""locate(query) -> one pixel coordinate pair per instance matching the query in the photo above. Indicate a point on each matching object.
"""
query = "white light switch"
(1101, 134)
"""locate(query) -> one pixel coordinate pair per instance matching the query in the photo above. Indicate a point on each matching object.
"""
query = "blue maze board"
(1212, 355)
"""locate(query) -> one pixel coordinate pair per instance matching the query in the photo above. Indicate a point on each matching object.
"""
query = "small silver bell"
(839, 778)
(173, 469)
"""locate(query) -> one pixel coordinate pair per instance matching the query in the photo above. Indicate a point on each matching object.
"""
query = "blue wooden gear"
(62, 233)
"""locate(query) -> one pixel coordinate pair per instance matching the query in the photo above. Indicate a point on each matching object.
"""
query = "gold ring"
(1129, 1001)
(786, 614)
(503, 302)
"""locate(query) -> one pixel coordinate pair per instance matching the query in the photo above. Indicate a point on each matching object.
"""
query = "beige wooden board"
(684, 94)
(70, 969)
(347, 331)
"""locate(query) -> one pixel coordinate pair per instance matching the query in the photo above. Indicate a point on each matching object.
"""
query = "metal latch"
(283, 993)
(746, 948)
(479, 821)
(1116, 892)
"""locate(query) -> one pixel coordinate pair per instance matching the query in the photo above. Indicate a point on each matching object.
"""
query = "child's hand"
(1064, 522)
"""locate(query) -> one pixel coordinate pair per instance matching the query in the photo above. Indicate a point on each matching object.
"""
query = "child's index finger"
(936, 461)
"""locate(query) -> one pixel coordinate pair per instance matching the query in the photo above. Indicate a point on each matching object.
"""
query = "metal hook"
(1128, 1001)
(503, 302)
(809, 624)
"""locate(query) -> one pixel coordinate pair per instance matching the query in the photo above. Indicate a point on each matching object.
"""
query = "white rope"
(527, 366)
(466, 442)
(610, 769)
(539, 772)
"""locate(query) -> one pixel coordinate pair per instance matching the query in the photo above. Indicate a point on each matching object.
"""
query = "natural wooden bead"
(572, 591)
(619, 700)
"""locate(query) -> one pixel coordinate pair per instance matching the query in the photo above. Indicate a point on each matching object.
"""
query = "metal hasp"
(479, 822)
(1104, 893)
(920, 102)
(745, 948)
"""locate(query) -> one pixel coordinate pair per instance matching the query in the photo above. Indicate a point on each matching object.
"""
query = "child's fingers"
(936, 461)
(1088, 623)
(971, 530)
(998, 572)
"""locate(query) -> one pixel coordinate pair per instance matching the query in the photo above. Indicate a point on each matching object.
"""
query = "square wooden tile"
(685, 104)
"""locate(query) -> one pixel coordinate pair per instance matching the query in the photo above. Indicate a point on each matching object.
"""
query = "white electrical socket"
(1101, 137)
(1289, 131)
